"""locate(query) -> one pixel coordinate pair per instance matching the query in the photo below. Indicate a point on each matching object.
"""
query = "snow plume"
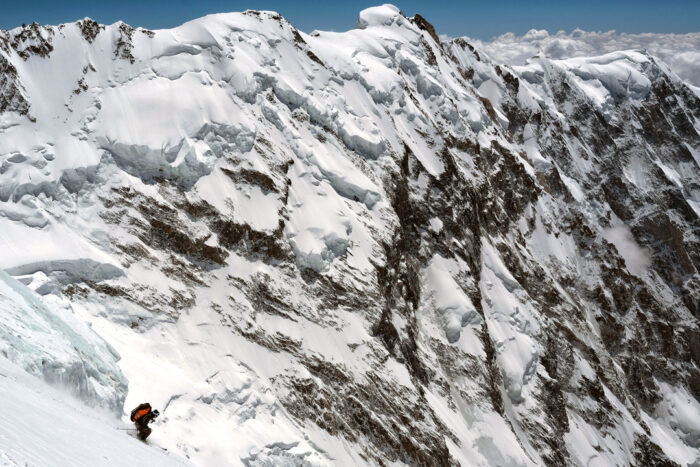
(680, 51)
(636, 258)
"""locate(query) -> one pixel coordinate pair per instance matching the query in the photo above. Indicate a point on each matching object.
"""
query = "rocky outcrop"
(12, 98)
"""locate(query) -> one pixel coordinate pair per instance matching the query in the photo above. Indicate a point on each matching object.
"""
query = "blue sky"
(480, 19)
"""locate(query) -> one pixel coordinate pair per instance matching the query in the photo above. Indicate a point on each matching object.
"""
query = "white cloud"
(680, 51)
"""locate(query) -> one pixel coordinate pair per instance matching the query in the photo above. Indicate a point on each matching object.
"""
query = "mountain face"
(368, 247)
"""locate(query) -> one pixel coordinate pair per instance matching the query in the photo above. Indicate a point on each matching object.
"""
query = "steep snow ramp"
(41, 426)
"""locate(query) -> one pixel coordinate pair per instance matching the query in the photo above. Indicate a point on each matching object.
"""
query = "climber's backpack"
(140, 411)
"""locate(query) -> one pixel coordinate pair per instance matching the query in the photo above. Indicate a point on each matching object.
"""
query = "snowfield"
(41, 426)
(370, 247)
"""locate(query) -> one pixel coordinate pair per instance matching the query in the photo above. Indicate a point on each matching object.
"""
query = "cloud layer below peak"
(680, 51)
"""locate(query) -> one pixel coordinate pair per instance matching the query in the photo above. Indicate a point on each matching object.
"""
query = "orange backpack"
(140, 411)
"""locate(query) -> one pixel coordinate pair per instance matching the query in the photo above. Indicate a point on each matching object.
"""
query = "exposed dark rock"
(12, 98)
(460, 41)
(251, 177)
(397, 427)
(525, 202)
(89, 28)
(33, 40)
(649, 453)
(124, 45)
(423, 24)
(432, 60)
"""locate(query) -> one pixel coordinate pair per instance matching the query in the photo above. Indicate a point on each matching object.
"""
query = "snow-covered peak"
(370, 246)
(384, 15)
(607, 80)
(680, 51)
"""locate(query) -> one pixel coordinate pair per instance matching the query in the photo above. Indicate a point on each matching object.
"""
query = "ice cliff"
(55, 344)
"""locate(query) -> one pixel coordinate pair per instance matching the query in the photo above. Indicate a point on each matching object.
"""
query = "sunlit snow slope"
(40, 426)
(366, 247)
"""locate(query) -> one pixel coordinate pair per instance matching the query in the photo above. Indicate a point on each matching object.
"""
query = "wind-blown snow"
(636, 258)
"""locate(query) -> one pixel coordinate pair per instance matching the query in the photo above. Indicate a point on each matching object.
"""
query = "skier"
(142, 416)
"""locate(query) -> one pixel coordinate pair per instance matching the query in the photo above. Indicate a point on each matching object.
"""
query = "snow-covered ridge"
(371, 246)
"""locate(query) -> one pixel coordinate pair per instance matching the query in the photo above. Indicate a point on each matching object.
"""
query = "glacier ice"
(53, 343)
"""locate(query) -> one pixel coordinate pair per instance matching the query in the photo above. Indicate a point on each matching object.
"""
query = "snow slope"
(42, 426)
(363, 247)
